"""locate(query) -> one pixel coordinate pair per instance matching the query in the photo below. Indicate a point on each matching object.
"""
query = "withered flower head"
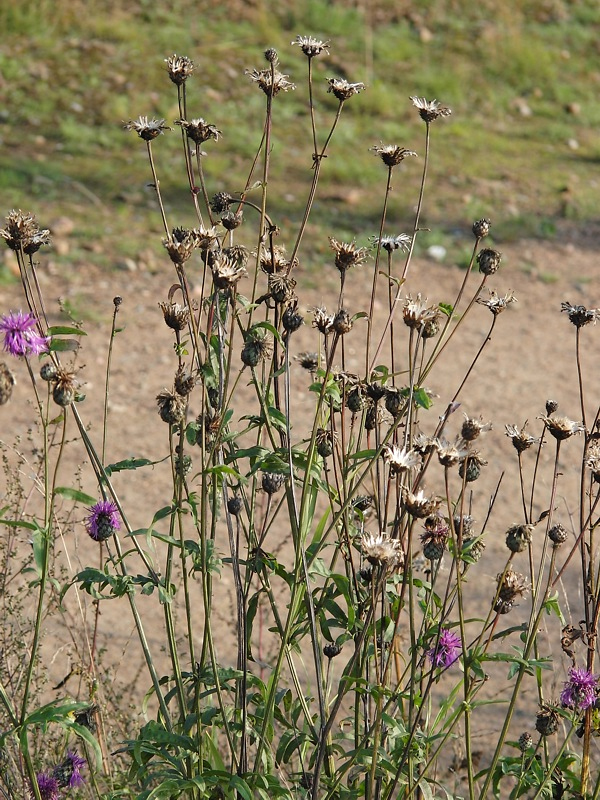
(424, 444)
(147, 129)
(381, 550)
(450, 453)
(179, 68)
(429, 110)
(518, 537)
(592, 459)
(322, 321)
(347, 254)
(281, 288)
(198, 130)
(272, 482)
(171, 406)
(580, 315)
(416, 312)
(220, 202)
(562, 427)
(391, 243)
(257, 348)
(20, 229)
(311, 47)
(481, 227)
(399, 458)
(435, 537)
(392, 154)
(520, 438)
(488, 260)
(206, 238)
(343, 90)
(7, 381)
(37, 240)
(511, 585)
(292, 319)
(395, 401)
(419, 505)
(470, 465)
(325, 441)
(558, 535)
(64, 387)
(176, 316)
(471, 428)
(231, 220)
(308, 361)
(180, 246)
(497, 304)
(342, 322)
(271, 56)
(238, 253)
(184, 381)
(275, 261)
(547, 720)
(270, 83)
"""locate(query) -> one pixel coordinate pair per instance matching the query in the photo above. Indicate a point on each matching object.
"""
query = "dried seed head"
(381, 550)
(399, 459)
(521, 440)
(198, 130)
(343, 90)
(180, 246)
(271, 56)
(471, 428)
(270, 83)
(391, 243)
(227, 271)
(272, 482)
(463, 525)
(474, 547)
(470, 466)
(416, 312)
(220, 202)
(311, 47)
(525, 741)
(281, 288)
(497, 304)
(231, 220)
(63, 392)
(308, 361)
(551, 406)
(395, 402)
(424, 444)
(562, 427)
(488, 260)
(322, 321)
(347, 254)
(184, 381)
(182, 464)
(518, 537)
(546, 721)
(38, 239)
(430, 110)
(331, 650)
(592, 459)
(511, 585)
(342, 322)
(291, 319)
(431, 327)
(450, 453)
(171, 406)
(481, 228)
(435, 537)
(147, 129)
(257, 347)
(275, 260)
(179, 68)
(558, 535)
(355, 399)
(175, 315)
(237, 253)
(580, 315)
(235, 505)
(7, 381)
(20, 229)
(419, 505)
(325, 442)
(392, 154)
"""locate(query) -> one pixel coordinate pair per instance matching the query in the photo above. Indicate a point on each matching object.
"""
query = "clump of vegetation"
(357, 660)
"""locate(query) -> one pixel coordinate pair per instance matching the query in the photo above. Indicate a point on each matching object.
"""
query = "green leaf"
(129, 463)
(446, 308)
(65, 330)
(422, 399)
(76, 495)
(63, 345)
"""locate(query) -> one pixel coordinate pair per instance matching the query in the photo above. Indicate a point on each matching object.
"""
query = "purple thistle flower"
(68, 773)
(103, 520)
(446, 651)
(580, 690)
(20, 335)
(48, 786)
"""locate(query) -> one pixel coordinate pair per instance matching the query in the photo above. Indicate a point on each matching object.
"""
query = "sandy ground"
(529, 359)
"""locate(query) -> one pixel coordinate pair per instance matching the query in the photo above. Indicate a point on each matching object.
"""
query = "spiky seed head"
(518, 537)
(198, 130)
(308, 361)
(481, 228)
(171, 406)
(179, 68)
(220, 202)
(184, 381)
(546, 721)
(488, 261)
(147, 129)
(347, 254)
(271, 56)
(342, 322)
(435, 537)
(355, 399)
(343, 90)
(463, 524)
(325, 441)
(291, 319)
(281, 287)
(234, 505)
(562, 427)
(7, 381)
(310, 46)
(322, 321)
(431, 327)
(270, 83)
(20, 228)
(392, 154)
(63, 391)
(470, 466)
(474, 546)
(175, 315)
(332, 650)
(520, 438)
(272, 482)
(394, 402)
(558, 535)
(471, 428)
(511, 585)
(231, 220)
(525, 741)
(580, 315)
(419, 505)
(257, 348)
(430, 110)
(551, 407)
(381, 550)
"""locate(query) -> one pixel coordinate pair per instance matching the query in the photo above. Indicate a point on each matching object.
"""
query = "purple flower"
(20, 335)
(103, 520)
(446, 651)
(48, 786)
(580, 689)
(68, 773)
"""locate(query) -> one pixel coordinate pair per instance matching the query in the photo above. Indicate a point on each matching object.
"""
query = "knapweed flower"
(322, 321)
(310, 46)
(419, 504)
(580, 690)
(471, 428)
(497, 304)
(488, 261)
(435, 537)
(381, 550)
(103, 520)
(271, 83)
(347, 254)
(399, 458)
(20, 334)
(198, 130)
(171, 407)
(481, 227)
(227, 272)
(450, 453)
(562, 427)
(580, 315)
(68, 773)
(180, 245)
(147, 129)
(430, 110)
(416, 312)
(390, 243)
(343, 90)
(20, 227)
(257, 348)
(308, 361)
(511, 585)
(446, 651)
(175, 315)
(520, 438)
(392, 154)
(47, 785)
(179, 68)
